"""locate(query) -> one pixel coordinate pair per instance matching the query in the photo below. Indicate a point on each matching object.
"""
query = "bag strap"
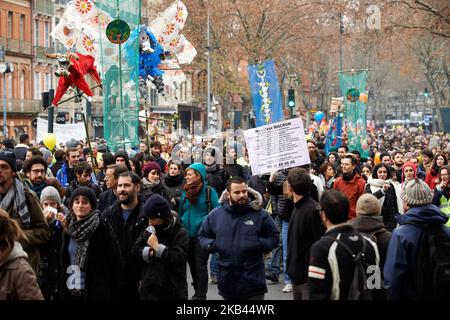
(208, 199)
(348, 250)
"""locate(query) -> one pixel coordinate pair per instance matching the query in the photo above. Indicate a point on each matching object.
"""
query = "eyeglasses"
(36, 171)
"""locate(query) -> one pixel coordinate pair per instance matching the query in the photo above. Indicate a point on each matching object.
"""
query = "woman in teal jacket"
(196, 202)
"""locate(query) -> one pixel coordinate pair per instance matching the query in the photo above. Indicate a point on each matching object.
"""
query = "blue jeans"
(213, 264)
(284, 235)
(274, 265)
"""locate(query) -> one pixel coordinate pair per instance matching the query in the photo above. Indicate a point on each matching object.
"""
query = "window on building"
(47, 34)
(36, 32)
(47, 82)
(22, 27)
(10, 85)
(153, 97)
(10, 24)
(37, 85)
(22, 84)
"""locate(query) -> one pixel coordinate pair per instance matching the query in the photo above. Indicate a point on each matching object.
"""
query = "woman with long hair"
(17, 278)
(91, 259)
(135, 165)
(442, 192)
(381, 186)
(432, 177)
(173, 182)
(327, 175)
(197, 200)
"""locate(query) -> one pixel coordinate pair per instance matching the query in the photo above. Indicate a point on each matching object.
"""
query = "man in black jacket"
(331, 267)
(128, 222)
(305, 228)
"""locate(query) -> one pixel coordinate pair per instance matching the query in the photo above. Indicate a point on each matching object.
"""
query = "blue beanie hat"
(157, 207)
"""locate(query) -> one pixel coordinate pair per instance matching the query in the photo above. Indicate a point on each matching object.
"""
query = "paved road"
(274, 292)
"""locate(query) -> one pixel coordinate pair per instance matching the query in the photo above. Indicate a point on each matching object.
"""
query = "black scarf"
(81, 231)
(173, 181)
(350, 176)
(211, 168)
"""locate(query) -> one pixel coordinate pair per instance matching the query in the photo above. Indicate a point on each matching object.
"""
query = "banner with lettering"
(265, 92)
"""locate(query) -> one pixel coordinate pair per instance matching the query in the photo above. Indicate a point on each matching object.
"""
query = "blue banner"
(334, 136)
(265, 92)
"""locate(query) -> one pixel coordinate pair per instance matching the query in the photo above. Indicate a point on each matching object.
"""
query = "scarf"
(349, 176)
(211, 168)
(81, 231)
(193, 190)
(173, 181)
(15, 197)
(38, 188)
(148, 184)
(375, 185)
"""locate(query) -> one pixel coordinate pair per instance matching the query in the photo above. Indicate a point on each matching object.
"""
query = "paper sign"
(277, 146)
(336, 104)
(63, 132)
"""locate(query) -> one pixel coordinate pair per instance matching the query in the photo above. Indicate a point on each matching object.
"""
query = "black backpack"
(358, 288)
(432, 271)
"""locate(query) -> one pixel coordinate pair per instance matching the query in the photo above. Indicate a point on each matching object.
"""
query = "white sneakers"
(287, 288)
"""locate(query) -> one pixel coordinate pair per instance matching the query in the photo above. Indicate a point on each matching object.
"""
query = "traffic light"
(291, 98)
(425, 92)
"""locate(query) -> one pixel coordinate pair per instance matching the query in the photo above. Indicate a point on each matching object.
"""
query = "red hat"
(149, 166)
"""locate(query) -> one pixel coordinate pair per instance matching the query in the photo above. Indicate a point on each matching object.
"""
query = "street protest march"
(224, 150)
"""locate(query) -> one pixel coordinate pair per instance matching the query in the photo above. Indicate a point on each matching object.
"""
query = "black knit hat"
(8, 156)
(86, 192)
(157, 207)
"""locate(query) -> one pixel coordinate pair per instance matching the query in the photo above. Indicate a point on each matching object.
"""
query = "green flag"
(120, 95)
(355, 112)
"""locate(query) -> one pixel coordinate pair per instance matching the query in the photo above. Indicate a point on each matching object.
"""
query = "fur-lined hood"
(255, 204)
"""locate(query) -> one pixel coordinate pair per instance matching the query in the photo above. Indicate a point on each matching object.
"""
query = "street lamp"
(5, 67)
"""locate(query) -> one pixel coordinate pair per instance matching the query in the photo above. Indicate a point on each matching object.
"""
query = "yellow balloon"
(50, 141)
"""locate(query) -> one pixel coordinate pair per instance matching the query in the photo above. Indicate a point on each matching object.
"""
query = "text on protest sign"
(277, 146)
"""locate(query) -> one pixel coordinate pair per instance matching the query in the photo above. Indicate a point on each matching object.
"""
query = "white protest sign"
(336, 104)
(277, 146)
(63, 132)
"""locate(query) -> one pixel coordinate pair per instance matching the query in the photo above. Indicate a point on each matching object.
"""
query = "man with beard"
(351, 183)
(240, 234)
(397, 158)
(35, 169)
(128, 222)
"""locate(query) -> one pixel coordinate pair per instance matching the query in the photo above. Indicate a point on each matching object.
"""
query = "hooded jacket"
(193, 215)
(17, 278)
(124, 155)
(240, 239)
(402, 251)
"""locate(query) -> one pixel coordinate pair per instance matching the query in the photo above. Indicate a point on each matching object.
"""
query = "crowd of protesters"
(85, 223)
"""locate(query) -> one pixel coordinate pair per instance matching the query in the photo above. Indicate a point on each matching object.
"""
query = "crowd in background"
(85, 223)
